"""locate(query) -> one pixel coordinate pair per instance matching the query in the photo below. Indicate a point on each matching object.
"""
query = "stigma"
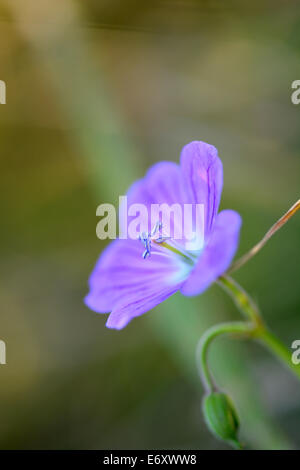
(155, 236)
(165, 245)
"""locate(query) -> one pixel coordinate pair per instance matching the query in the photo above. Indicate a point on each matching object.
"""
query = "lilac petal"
(133, 306)
(123, 281)
(217, 254)
(163, 184)
(203, 173)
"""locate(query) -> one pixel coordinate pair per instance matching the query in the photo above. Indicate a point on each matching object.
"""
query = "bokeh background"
(97, 91)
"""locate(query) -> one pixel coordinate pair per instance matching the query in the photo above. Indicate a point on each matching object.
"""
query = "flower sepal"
(221, 417)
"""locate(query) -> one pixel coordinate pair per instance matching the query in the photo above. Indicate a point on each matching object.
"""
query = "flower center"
(162, 243)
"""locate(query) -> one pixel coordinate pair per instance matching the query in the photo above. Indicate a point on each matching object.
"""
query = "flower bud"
(221, 417)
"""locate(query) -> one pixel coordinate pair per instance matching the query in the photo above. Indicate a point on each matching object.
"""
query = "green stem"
(268, 339)
(254, 328)
(240, 297)
(261, 332)
(238, 328)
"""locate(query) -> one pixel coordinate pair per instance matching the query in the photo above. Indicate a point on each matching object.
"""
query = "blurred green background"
(97, 91)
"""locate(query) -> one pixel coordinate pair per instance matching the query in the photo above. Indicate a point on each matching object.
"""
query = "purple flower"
(131, 277)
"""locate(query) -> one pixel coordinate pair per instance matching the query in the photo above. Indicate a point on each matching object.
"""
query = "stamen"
(156, 236)
(147, 238)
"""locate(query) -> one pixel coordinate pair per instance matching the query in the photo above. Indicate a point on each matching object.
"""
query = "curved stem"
(268, 339)
(254, 328)
(239, 328)
(260, 331)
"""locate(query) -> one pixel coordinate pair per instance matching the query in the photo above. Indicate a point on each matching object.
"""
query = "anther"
(147, 238)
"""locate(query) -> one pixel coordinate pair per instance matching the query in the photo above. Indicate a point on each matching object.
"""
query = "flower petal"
(217, 254)
(126, 284)
(133, 306)
(163, 184)
(203, 172)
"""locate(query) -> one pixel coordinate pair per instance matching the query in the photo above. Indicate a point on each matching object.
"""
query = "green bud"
(221, 417)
